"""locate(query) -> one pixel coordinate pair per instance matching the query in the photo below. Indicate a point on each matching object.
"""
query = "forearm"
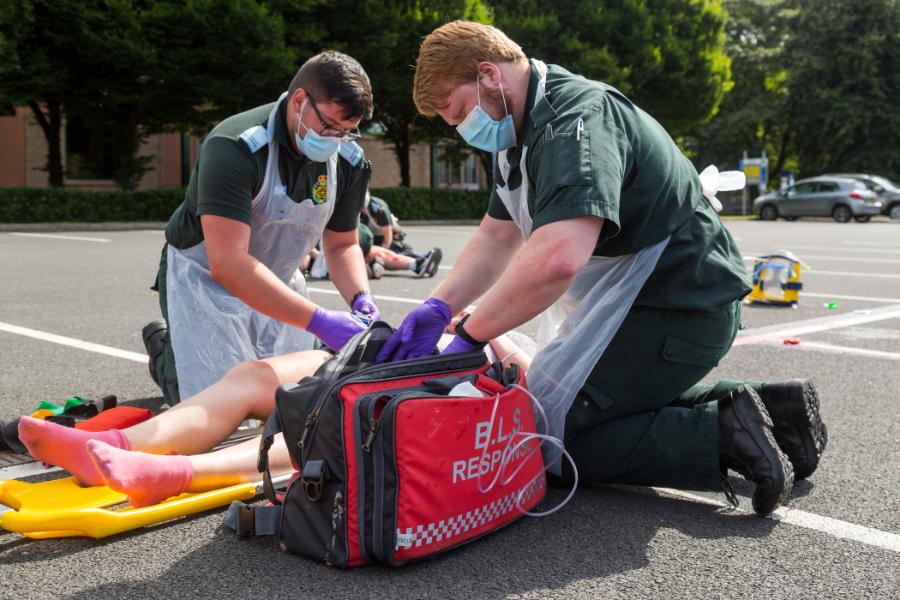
(482, 260)
(522, 293)
(508, 352)
(346, 266)
(538, 275)
(258, 287)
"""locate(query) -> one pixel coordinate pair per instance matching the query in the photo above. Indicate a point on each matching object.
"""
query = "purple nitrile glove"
(364, 304)
(458, 345)
(334, 327)
(419, 332)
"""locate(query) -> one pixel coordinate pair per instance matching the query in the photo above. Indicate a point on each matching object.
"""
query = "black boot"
(746, 445)
(799, 430)
(153, 334)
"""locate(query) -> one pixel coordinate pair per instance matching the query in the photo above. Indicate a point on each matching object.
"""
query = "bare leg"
(236, 464)
(207, 418)
(392, 261)
(194, 426)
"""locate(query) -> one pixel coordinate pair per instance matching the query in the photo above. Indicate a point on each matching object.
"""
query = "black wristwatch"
(462, 333)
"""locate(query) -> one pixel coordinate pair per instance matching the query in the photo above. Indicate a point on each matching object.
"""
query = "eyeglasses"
(329, 131)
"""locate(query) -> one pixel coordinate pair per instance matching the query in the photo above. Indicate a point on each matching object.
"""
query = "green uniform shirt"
(622, 166)
(228, 176)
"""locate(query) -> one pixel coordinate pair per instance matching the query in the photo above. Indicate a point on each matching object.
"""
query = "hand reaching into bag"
(334, 327)
(419, 332)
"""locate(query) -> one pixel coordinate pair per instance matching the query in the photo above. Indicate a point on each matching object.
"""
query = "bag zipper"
(452, 361)
(379, 466)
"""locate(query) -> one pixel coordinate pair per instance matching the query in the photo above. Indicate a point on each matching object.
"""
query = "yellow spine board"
(63, 508)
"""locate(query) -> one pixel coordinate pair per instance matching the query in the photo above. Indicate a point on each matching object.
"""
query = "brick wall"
(23, 154)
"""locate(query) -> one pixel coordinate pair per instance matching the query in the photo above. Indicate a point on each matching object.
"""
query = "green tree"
(384, 36)
(49, 34)
(844, 86)
(182, 67)
(752, 116)
(666, 55)
(128, 68)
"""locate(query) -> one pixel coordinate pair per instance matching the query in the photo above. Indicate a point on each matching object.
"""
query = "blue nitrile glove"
(458, 345)
(419, 332)
(334, 327)
(364, 307)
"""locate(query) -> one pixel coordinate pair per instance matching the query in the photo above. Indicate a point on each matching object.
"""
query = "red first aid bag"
(392, 467)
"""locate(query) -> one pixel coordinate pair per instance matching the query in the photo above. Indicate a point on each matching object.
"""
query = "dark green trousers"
(640, 418)
(165, 365)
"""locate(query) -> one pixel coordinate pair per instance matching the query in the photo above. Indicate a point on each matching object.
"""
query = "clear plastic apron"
(213, 330)
(574, 332)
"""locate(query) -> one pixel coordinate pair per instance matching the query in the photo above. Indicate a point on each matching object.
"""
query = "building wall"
(386, 168)
(23, 154)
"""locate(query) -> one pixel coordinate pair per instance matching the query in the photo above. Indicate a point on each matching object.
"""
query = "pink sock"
(146, 478)
(65, 446)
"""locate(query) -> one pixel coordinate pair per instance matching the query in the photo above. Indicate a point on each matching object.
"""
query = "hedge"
(44, 205)
(431, 204)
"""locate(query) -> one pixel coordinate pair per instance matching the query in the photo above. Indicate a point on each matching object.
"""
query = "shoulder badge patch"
(320, 190)
(255, 138)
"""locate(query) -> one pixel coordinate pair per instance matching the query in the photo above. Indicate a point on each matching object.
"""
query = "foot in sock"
(147, 479)
(66, 447)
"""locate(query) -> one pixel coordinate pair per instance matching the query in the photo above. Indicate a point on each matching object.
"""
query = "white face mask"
(314, 146)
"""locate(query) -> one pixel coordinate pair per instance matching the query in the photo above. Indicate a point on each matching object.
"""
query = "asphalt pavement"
(72, 305)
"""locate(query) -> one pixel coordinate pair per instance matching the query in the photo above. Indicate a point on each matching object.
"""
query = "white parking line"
(377, 296)
(73, 343)
(783, 330)
(841, 273)
(432, 229)
(809, 257)
(833, 349)
(844, 297)
(26, 470)
(63, 237)
(800, 518)
(831, 248)
(889, 244)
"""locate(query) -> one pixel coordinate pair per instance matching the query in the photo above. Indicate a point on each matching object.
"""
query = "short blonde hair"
(449, 57)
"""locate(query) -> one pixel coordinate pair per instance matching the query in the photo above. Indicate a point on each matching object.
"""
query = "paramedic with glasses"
(268, 184)
(602, 227)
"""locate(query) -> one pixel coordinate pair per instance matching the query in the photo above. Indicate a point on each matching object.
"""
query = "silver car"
(838, 197)
(887, 191)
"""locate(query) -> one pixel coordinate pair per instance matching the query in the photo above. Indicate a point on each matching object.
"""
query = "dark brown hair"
(335, 77)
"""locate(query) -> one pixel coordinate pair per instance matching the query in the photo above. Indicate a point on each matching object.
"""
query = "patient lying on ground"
(169, 454)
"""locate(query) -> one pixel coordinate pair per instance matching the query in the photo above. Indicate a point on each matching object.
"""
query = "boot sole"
(763, 436)
(800, 408)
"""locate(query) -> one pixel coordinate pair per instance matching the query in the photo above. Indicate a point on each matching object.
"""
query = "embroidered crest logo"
(320, 190)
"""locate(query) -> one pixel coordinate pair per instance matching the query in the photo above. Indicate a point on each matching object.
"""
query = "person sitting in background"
(378, 259)
(381, 258)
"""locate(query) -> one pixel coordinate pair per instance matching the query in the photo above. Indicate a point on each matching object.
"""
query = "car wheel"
(768, 212)
(841, 213)
(894, 211)
(792, 219)
(862, 218)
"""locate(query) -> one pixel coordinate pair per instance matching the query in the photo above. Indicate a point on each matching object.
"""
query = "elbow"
(219, 272)
(566, 266)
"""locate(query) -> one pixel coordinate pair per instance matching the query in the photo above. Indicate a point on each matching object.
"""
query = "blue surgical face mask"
(314, 146)
(478, 129)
